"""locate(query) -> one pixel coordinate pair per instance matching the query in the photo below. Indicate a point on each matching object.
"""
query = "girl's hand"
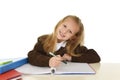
(67, 57)
(55, 61)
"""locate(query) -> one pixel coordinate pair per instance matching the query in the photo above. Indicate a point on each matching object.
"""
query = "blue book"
(12, 64)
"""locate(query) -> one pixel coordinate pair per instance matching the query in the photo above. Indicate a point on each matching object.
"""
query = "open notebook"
(69, 68)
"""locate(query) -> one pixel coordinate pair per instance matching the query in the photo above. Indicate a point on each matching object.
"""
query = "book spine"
(13, 65)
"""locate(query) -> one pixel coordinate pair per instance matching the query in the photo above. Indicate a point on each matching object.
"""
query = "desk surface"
(104, 71)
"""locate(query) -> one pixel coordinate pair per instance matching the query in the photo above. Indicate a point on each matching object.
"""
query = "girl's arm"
(38, 56)
(87, 55)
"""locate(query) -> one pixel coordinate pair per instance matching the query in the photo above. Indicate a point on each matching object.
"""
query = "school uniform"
(39, 57)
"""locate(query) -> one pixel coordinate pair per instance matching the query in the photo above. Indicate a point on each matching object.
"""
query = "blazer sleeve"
(87, 55)
(38, 56)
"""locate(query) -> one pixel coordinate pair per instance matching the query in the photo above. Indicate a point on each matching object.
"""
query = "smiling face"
(67, 29)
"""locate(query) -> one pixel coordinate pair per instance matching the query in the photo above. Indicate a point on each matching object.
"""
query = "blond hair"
(51, 40)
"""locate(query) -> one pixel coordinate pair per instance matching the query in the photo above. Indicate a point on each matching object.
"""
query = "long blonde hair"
(49, 44)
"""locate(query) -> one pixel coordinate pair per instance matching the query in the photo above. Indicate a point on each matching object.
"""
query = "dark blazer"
(39, 57)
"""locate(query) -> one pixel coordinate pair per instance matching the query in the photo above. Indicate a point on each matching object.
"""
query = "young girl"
(66, 42)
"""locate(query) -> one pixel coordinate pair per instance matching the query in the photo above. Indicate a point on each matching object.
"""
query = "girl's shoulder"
(81, 47)
(42, 37)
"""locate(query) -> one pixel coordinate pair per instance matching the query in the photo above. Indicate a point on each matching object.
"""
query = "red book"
(11, 75)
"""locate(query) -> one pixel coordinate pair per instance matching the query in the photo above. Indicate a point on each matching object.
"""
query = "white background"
(22, 21)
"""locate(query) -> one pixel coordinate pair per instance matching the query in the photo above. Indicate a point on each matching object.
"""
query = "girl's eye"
(65, 26)
(70, 32)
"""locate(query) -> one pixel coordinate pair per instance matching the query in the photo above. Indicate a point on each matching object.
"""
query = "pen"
(5, 62)
(64, 61)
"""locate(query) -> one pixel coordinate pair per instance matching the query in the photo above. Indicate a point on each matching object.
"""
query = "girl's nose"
(65, 31)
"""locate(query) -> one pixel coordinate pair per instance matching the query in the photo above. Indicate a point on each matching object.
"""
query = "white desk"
(104, 71)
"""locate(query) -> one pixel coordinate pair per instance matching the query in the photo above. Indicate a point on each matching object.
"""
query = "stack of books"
(11, 75)
(8, 66)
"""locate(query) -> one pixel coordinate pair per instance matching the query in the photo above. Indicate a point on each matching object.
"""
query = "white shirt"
(61, 44)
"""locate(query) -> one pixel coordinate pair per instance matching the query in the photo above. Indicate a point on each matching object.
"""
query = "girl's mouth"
(60, 33)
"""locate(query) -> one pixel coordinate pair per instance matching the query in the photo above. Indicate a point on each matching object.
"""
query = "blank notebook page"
(69, 68)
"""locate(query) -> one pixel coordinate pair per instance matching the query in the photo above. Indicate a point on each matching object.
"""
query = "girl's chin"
(59, 37)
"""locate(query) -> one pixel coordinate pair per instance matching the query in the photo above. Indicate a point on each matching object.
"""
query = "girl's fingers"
(55, 61)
